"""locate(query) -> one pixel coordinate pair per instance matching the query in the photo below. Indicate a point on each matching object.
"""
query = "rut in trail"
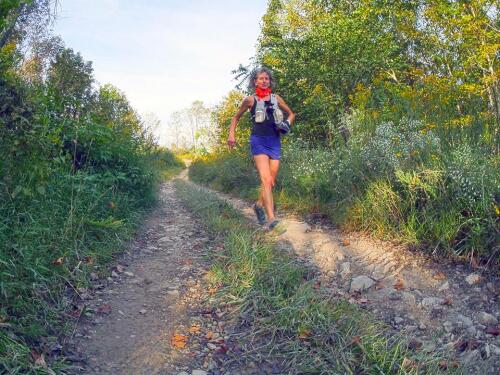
(150, 297)
(441, 306)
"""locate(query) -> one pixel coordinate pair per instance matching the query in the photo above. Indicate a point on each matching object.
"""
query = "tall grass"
(399, 181)
(298, 324)
(53, 239)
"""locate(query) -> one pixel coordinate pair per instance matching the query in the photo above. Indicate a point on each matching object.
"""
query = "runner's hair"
(255, 73)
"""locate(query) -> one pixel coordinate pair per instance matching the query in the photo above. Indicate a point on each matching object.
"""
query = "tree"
(69, 81)
(198, 116)
(25, 20)
(222, 115)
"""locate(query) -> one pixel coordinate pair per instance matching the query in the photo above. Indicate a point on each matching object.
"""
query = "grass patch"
(50, 243)
(425, 207)
(302, 325)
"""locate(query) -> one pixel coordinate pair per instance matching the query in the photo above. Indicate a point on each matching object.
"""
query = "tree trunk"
(7, 34)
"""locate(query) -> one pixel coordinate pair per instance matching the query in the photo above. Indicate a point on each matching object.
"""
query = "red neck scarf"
(262, 93)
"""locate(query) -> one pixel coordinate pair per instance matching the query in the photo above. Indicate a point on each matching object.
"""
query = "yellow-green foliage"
(397, 128)
(77, 171)
(436, 61)
(223, 113)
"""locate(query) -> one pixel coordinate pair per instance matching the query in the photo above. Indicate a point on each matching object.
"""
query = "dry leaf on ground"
(194, 329)
(399, 285)
(58, 261)
(355, 340)
(439, 276)
(179, 341)
(104, 309)
(448, 301)
(408, 363)
(304, 334)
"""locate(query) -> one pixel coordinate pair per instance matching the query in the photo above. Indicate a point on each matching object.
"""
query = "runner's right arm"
(245, 105)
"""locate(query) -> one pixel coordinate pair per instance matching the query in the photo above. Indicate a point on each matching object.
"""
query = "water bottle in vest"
(260, 111)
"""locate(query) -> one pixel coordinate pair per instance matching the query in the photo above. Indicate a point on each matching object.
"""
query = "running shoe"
(259, 212)
(277, 227)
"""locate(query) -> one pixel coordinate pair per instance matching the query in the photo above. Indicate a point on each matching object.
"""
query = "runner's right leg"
(266, 179)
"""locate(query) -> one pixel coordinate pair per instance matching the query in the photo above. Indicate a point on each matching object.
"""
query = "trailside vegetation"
(77, 170)
(398, 122)
(286, 314)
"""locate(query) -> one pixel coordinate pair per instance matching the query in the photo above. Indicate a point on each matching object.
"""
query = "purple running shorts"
(269, 145)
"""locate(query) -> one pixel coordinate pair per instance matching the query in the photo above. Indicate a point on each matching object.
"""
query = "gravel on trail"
(152, 314)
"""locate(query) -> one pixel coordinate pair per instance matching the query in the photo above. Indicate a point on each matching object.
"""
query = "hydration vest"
(261, 114)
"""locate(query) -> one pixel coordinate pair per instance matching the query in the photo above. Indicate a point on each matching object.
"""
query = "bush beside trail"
(440, 202)
(78, 169)
(396, 131)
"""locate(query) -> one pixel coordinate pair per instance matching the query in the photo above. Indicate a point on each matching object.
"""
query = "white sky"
(163, 54)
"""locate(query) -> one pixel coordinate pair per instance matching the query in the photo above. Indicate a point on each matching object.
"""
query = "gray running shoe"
(259, 212)
(273, 224)
(277, 227)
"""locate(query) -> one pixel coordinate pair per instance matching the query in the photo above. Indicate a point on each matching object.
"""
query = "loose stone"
(448, 326)
(345, 269)
(466, 321)
(409, 298)
(473, 279)
(398, 320)
(395, 296)
(495, 349)
(445, 286)
(361, 283)
(487, 319)
(430, 302)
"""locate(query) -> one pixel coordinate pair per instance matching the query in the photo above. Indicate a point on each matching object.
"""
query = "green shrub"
(227, 172)
(397, 183)
(77, 171)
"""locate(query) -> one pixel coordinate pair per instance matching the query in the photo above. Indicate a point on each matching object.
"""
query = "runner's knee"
(267, 181)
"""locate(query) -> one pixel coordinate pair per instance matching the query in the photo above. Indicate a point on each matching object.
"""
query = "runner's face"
(262, 81)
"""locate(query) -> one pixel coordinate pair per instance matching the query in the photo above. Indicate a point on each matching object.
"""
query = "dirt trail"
(157, 290)
(152, 294)
(441, 306)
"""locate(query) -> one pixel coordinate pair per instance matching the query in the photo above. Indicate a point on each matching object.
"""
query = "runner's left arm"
(285, 108)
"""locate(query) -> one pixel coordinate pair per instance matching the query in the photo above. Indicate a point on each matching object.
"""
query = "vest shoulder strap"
(274, 101)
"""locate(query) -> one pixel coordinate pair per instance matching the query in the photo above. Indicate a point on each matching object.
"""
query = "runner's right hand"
(231, 141)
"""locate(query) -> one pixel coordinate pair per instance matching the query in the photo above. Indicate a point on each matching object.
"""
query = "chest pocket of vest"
(261, 112)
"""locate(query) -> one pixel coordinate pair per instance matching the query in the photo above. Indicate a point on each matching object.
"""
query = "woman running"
(266, 110)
